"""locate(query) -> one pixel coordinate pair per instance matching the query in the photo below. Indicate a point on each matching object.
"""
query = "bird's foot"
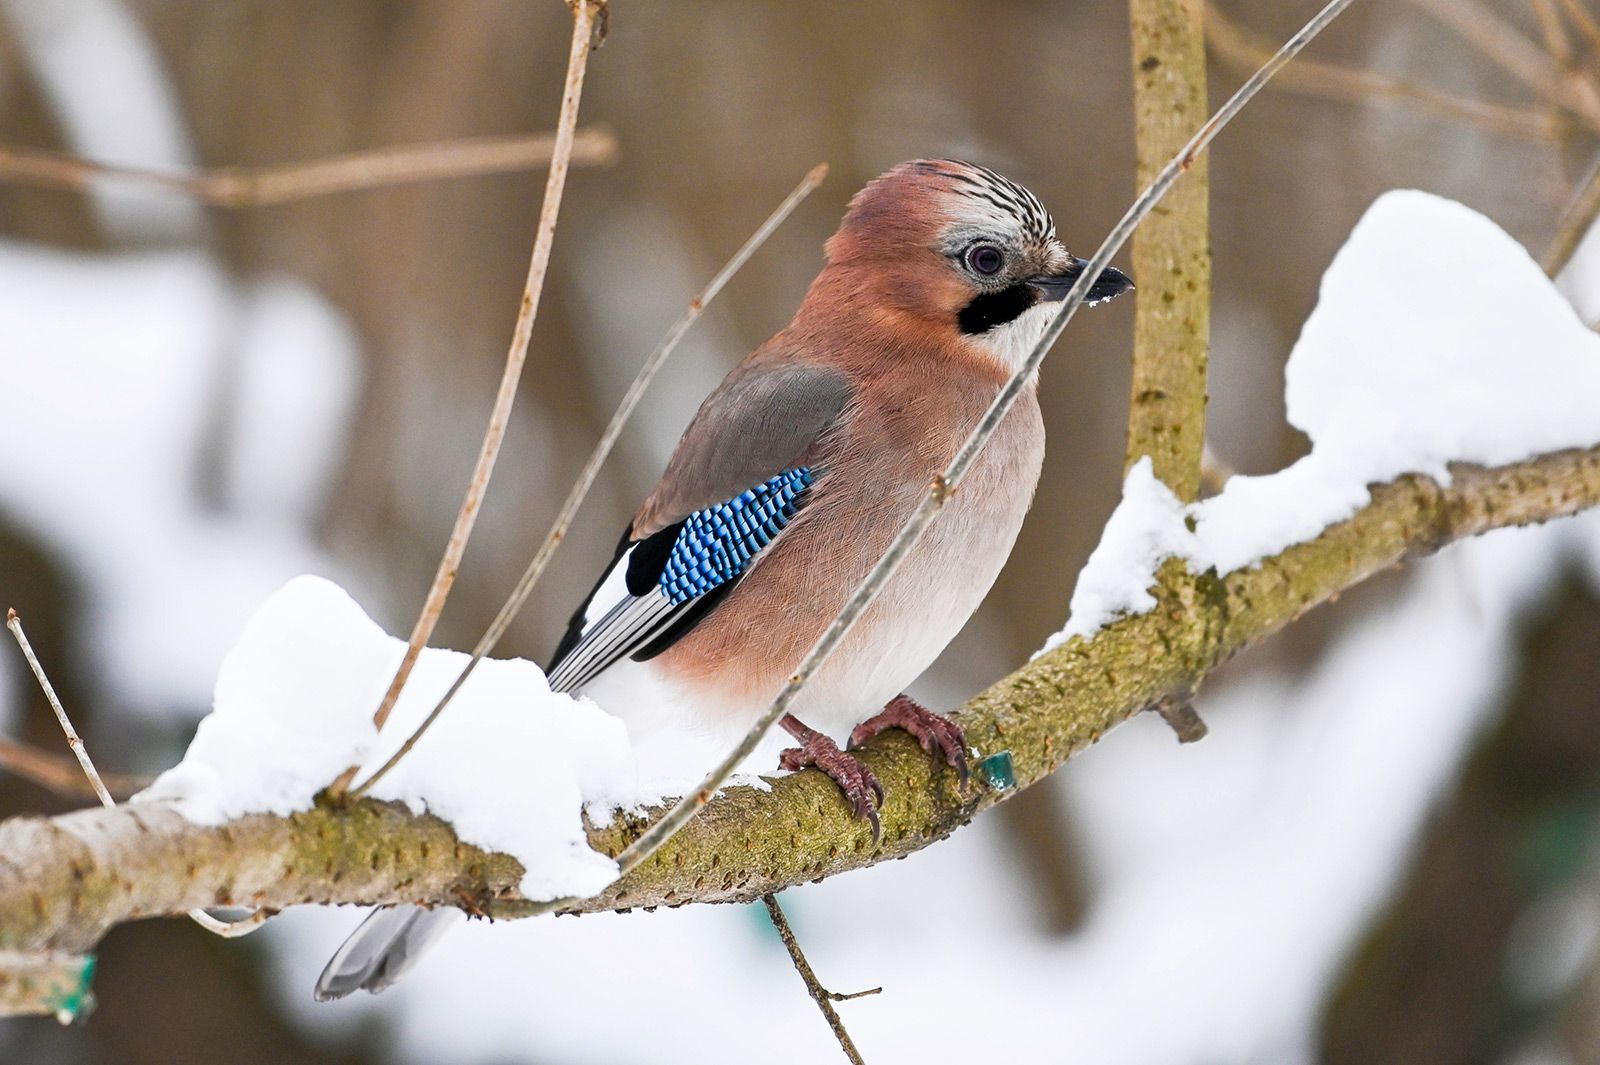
(938, 735)
(861, 789)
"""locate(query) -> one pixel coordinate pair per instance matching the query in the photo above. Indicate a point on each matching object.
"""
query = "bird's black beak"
(1108, 286)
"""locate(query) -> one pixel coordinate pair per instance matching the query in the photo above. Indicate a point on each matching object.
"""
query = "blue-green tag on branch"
(77, 1001)
(998, 771)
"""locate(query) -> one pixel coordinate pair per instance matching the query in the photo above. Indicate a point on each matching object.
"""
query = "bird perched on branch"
(793, 478)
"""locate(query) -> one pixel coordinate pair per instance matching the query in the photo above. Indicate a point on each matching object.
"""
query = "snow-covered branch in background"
(70, 878)
(1437, 340)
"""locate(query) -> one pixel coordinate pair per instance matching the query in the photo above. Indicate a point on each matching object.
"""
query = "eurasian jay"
(793, 478)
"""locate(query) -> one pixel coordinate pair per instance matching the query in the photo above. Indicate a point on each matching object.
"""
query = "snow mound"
(511, 765)
(1436, 339)
(1148, 526)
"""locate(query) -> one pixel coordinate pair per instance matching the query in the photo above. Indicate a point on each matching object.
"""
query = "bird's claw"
(858, 783)
(937, 734)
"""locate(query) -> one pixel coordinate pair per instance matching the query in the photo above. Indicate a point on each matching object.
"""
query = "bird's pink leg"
(937, 733)
(860, 787)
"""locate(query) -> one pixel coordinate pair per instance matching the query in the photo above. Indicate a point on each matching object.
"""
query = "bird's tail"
(382, 949)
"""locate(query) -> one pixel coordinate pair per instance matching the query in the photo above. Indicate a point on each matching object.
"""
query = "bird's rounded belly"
(736, 660)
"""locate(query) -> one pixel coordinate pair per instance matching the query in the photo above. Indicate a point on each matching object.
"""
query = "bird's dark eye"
(985, 259)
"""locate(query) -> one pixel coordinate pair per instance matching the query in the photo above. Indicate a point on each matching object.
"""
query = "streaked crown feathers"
(910, 203)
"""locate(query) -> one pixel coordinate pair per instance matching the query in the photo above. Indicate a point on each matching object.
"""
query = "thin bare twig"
(591, 469)
(1177, 710)
(945, 484)
(59, 774)
(819, 994)
(1515, 54)
(1576, 220)
(231, 929)
(236, 187)
(200, 917)
(1579, 75)
(584, 15)
(1585, 22)
(1554, 31)
(1245, 49)
(1214, 472)
(14, 623)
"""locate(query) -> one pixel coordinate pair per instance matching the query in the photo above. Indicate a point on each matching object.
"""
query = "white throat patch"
(1015, 340)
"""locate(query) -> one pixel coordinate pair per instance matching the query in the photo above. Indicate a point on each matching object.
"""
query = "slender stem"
(200, 917)
(1577, 76)
(232, 929)
(687, 807)
(1576, 221)
(59, 774)
(1172, 250)
(584, 13)
(235, 187)
(14, 623)
(1554, 31)
(819, 994)
(602, 449)
(1588, 28)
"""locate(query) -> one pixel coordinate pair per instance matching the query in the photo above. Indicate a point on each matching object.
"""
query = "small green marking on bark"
(77, 997)
(998, 770)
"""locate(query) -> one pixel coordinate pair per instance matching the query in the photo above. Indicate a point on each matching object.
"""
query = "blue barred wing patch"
(717, 543)
(661, 586)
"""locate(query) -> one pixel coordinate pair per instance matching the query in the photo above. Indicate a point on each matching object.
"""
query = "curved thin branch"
(65, 880)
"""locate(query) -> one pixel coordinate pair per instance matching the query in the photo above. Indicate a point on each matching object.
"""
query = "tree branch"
(60, 774)
(267, 186)
(1244, 50)
(1172, 250)
(819, 994)
(1516, 55)
(65, 880)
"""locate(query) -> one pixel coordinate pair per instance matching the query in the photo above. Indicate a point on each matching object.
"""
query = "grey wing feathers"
(757, 423)
(382, 948)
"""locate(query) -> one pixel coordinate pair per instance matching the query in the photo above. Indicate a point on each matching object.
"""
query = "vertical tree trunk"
(1172, 250)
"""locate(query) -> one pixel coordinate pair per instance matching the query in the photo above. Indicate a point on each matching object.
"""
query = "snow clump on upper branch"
(1436, 339)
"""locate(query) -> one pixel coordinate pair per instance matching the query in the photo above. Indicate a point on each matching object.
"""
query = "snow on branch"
(68, 879)
(1504, 377)
(1437, 339)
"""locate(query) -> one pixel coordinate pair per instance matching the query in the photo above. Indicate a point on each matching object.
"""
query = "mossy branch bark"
(65, 880)
(1172, 250)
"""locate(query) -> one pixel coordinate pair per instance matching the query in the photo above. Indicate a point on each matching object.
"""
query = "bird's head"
(956, 247)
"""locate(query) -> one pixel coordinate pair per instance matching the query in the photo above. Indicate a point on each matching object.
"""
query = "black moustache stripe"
(995, 308)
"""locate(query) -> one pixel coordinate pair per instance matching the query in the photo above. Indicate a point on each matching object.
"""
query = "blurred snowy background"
(1386, 850)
